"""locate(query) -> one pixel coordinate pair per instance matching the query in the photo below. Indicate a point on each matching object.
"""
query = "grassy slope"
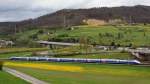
(93, 74)
(138, 35)
(131, 34)
(6, 78)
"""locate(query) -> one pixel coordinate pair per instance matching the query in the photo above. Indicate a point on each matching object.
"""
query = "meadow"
(9, 52)
(77, 73)
(104, 35)
(22, 54)
(27, 52)
(118, 55)
(6, 78)
(17, 50)
(123, 35)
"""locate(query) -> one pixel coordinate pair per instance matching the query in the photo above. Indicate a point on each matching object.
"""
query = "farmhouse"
(94, 22)
(115, 21)
(97, 22)
(4, 43)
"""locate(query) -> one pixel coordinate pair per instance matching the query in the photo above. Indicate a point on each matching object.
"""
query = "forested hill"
(69, 17)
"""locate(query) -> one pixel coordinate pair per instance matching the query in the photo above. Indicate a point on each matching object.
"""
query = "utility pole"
(130, 18)
(66, 22)
(15, 29)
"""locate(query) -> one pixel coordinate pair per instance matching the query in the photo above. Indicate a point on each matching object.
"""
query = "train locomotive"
(79, 60)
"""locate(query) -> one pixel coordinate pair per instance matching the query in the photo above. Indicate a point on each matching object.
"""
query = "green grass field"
(28, 52)
(6, 78)
(9, 52)
(91, 74)
(22, 54)
(94, 56)
(18, 50)
(103, 56)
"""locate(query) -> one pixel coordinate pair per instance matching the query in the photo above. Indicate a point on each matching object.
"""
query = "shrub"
(41, 31)
(22, 41)
(34, 36)
(44, 37)
(63, 35)
(33, 44)
(112, 44)
(34, 53)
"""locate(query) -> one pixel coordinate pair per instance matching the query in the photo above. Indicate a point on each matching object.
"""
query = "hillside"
(128, 35)
(69, 17)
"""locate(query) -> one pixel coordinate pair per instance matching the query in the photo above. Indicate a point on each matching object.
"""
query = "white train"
(108, 61)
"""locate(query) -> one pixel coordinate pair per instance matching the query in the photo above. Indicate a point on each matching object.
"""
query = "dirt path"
(23, 76)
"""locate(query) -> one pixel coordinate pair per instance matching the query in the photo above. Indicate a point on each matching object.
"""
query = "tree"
(113, 44)
(22, 41)
(41, 31)
(130, 45)
(144, 33)
(34, 36)
(120, 35)
(33, 44)
(118, 45)
(1, 65)
(100, 38)
(84, 43)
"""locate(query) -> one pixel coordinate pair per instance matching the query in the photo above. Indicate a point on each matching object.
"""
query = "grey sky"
(15, 10)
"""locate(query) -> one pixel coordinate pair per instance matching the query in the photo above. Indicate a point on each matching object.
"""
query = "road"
(23, 76)
(57, 43)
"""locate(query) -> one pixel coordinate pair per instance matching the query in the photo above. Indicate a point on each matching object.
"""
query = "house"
(95, 22)
(115, 21)
(102, 47)
(4, 43)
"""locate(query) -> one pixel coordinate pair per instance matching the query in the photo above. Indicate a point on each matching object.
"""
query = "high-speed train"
(107, 61)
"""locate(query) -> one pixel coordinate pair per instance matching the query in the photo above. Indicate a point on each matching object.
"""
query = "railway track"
(9, 59)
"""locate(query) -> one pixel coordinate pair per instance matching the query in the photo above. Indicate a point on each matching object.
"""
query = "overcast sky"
(16, 10)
